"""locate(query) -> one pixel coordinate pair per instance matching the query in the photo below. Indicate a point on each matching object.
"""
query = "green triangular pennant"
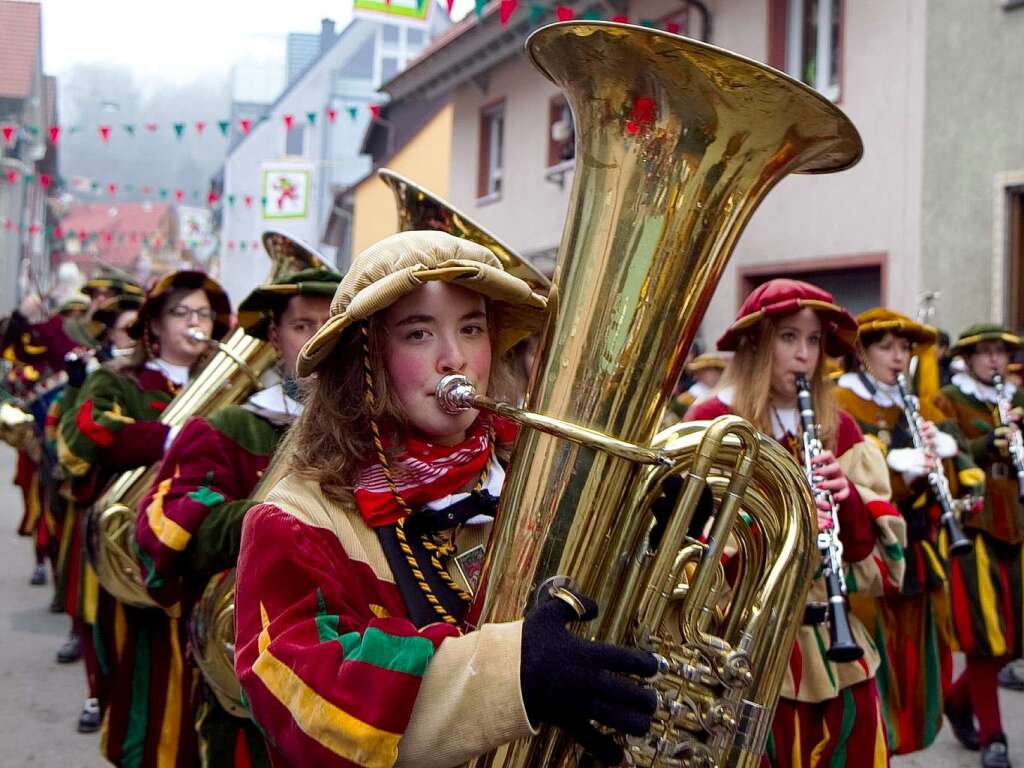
(311, 117)
(163, 192)
(231, 199)
(592, 15)
(224, 125)
(129, 128)
(353, 112)
(179, 128)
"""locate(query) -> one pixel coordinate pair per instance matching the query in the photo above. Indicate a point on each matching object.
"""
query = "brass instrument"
(959, 544)
(419, 208)
(677, 142)
(842, 647)
(212, 629)
(17, 428)
(1016, 443)
(229, 377)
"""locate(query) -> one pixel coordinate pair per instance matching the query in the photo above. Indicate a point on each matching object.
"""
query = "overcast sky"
(180, 41)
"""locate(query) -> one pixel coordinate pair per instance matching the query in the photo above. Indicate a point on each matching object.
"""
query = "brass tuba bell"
(677, 142)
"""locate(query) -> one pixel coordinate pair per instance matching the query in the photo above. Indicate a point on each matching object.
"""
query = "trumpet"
(959, 544)
(842, 646)
(1016, 443)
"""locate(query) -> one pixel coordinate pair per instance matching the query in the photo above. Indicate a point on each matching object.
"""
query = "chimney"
(326, 34)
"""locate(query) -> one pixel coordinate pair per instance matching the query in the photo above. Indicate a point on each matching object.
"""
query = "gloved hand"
(76, 366)
(912, 463)
(568, 681)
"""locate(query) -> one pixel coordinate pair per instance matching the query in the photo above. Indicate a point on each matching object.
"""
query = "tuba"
(234, 371)
(677, 142)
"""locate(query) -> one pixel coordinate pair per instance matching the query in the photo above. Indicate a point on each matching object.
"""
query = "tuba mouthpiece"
(454, 393)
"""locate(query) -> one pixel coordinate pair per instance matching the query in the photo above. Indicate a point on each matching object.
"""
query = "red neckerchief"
(424, 472)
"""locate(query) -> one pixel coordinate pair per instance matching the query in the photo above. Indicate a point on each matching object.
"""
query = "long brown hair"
(332, 439)
(749, 373)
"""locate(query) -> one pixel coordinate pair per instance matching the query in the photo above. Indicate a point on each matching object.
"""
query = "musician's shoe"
(89, 720)
(962, 723)
(71, 651)
(1009, 679)
(38, 576)
(995, 755)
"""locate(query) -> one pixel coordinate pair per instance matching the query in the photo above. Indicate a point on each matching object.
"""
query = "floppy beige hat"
(401, 263)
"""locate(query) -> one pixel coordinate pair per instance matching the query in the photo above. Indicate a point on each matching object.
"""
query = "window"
(492, 151)
(805, 39)
(1015, 241)
(389, 34)
(561, 133)
(414, 38)
(388, 68)
(295, 141)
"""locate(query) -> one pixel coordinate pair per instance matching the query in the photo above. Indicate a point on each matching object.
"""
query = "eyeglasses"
(181, 312)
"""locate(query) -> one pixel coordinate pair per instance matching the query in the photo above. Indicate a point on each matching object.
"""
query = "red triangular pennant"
(44, 180)
(620, 19)
(289, 120)
(151, 127)
(248, 201)
(200, 125)
(564, 13)
(179, 195)
(111, 189)
(673, 27)
(12, 176)
(105, 133)
(375, 111)
(212, 198)
(332, 115)
(508, 7)
(450, 4)
(246, 124)
(58, 232)
(54, 133)
(8, 133)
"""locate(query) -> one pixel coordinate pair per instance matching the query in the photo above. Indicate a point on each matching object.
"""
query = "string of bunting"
(10, 132)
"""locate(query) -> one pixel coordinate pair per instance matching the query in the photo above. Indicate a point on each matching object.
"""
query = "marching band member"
(985, 585)
(828, 713)
(354, 576)
(145, 687)
(913, 625)
(706, 369)
(190, 522)
(76, 581)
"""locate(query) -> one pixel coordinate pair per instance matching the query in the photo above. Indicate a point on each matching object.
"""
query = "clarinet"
(959, 544)
(1016, 444)
(842, 646)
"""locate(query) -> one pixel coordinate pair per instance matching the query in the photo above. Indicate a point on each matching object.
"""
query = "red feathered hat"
(782, 297)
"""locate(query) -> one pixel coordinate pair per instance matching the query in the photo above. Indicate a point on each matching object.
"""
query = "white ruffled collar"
(273, 404)
(176, 374)
(885, 395)
(971, 387)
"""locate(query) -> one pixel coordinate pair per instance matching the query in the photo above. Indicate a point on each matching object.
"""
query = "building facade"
(277, 163)
(930, 201)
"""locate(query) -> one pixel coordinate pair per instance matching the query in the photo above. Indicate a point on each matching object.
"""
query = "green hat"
(256, 311)
(76, 302)
(114, 280)
(979, 332)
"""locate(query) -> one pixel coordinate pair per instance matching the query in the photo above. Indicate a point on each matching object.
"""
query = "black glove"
(663, 506)
(568, 681)
(75, 366)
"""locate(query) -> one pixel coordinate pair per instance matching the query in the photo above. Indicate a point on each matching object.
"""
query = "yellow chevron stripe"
(987, 593)
(170, 534)
(334, 729)
(796, 760)
(821, 746)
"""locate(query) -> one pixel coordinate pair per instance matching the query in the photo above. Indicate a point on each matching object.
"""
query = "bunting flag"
(129, 128)
(245, 124)
(375, 111)
(8, 134)
(12, 176)
(152, 127)
(311, 118)
(179, 129)
(200, 125)
(248, 201)
(289, 120)
(332, 115)
(224, 125)
(111, 189)
(179, 195)
(212, 198)
(478, 7)
(508, 7)
(54, 133)
(353, 112)
(45, 180)
(536, 14)
(564, 13)
(450, 3)
(104, 133)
